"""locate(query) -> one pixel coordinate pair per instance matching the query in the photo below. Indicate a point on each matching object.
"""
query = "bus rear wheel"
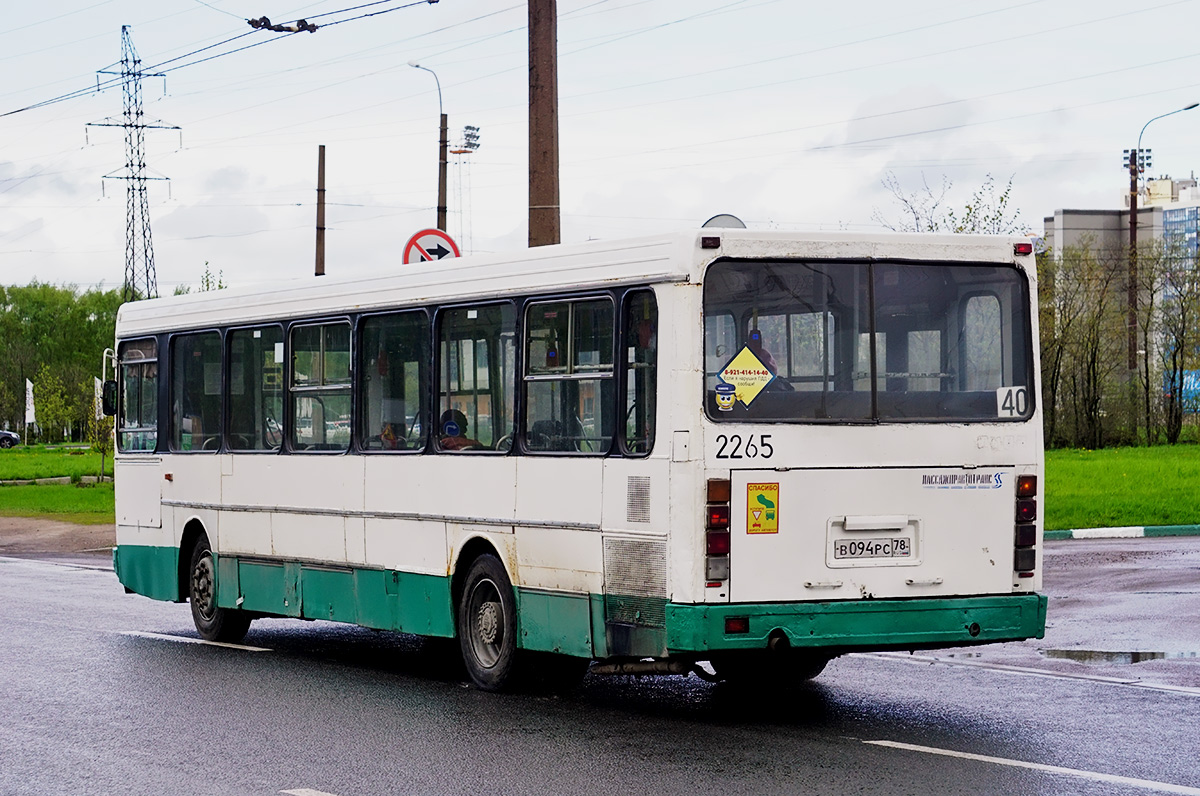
(487, 625)
(212, 622)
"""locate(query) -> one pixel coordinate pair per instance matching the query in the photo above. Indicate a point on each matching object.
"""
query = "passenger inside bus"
(755, 344)
(453, 428)
(392, 436)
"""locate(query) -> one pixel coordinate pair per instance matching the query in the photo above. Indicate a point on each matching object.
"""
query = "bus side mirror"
(108, 398)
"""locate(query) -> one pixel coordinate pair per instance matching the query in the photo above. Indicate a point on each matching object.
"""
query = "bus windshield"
(854, 341)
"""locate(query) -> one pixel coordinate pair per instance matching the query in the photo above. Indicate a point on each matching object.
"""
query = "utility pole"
(544, 219)
(1138, 160)
(320, 267)
(140, 278)
(1135, 167)
(443, 146)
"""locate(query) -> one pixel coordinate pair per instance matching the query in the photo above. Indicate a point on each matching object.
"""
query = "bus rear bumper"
(847, 626)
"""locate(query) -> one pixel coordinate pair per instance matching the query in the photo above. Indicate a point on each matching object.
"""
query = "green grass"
(41, 461)
(86, 505)
(1122, 486)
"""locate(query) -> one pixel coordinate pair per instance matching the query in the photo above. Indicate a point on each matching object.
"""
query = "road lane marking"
(306, 792)
(53, 563)
(187, 640)
(1094, 776)
(924, 660)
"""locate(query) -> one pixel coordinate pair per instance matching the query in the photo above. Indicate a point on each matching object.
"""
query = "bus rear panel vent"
(637, 506)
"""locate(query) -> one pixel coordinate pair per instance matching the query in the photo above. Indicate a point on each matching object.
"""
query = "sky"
(787, 114)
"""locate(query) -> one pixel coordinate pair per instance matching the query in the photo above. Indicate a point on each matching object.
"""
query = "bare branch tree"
(924, 210)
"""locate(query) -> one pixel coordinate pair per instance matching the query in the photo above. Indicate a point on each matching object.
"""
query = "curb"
(1127, 532)
(87, 479)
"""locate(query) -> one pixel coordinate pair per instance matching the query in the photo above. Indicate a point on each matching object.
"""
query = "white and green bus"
(759, 450)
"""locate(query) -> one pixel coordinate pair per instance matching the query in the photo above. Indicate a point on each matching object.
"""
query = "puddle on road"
(1106, 656)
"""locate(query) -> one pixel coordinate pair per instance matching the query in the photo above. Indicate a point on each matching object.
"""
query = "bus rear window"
(866, 342)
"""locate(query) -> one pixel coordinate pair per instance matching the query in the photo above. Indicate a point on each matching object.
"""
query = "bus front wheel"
(487, 625)
(212, 622)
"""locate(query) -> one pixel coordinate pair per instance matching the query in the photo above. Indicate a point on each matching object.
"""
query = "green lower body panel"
(148, 570)
(860, 624)
(383, 599)
(581, 624)
(555, 622)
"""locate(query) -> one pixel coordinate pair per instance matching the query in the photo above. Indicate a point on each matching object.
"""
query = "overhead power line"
(287, 31)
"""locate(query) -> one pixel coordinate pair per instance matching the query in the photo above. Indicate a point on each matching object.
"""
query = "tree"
(926, 210)
(207, 282)
(58, 327)
(1178, 317)
(1082, 311)
(53, 409)
(100, 435)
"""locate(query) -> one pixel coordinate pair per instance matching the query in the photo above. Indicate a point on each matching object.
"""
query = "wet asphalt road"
(90, 707)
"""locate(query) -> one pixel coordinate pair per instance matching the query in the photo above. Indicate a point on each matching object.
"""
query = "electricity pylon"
(140, 279)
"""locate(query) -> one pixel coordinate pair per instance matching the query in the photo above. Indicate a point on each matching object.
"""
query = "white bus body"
(286, 452)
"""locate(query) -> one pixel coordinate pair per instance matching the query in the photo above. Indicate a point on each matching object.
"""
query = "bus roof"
(673, 257)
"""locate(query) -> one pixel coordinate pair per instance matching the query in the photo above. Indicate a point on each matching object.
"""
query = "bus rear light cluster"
(737, 624)
(1025, 533)
(716, 530)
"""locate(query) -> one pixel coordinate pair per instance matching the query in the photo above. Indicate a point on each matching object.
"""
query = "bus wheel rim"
(486, 612)
(202, 586)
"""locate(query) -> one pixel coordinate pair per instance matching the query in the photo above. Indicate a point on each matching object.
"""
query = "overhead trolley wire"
(158, 67)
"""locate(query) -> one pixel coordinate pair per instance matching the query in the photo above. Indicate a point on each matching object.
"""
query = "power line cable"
(103, 84)
(7, 31)
(218, 10)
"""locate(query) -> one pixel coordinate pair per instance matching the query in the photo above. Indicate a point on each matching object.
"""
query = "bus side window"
(476, 378)
(570, 398)
(395, 377)
(641, 371)
(320, 386)
(196, 392)
(137, 421)
(256, 389)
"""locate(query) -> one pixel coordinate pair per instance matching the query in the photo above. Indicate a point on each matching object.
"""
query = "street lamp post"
(1137, 162)
(443, 146)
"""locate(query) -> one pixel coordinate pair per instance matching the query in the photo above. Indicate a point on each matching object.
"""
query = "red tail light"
(718, 517)
(1025, 532)
(737, 624)
(717, 543)
(718, 492)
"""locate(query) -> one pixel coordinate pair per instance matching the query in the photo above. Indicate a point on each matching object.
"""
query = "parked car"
(9, 438)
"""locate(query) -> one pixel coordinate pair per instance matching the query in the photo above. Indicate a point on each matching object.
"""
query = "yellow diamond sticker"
(762, 508)
(747, 375)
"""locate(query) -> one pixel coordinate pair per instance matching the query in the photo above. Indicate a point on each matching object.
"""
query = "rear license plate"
(895, 547)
